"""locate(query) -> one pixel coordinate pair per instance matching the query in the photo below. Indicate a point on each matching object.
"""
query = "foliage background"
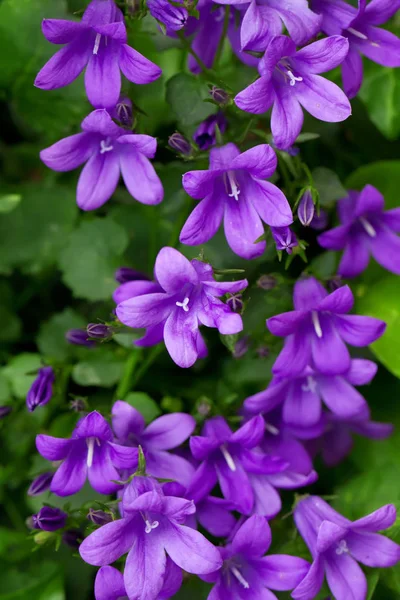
(57, 266)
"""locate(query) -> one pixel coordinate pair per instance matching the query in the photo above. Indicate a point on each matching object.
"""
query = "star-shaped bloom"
(108, 151)
(290, 80)
(97, 42)
(234, 190)
(365, 229)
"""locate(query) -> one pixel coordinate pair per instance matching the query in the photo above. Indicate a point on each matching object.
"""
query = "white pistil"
(183, 304)
(368, 227)
(293, 79)
(310, 386)
(316, 323)
(357, 33)
(97, 43)
(342, 547)
(271, 429)
(229, 460)
(234, 186)
(90, 446)
(150, 526)
(240, 577)
(105, 146)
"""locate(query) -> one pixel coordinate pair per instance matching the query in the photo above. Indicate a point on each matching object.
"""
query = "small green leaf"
(384, 175)
(328, 185)
(21, 372)
(104, 370)
(381, 95)
(51, 339)
(9, 202)
(144, 404)
(186, 95)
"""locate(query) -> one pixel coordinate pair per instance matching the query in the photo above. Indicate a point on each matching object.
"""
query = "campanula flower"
(109, 583)
(365, 229)
(204, 136)
(172, 16)
(246, 573)
(234, 190)
(97, 42)
(180, 144)
(49, 519)
(79, 337)
(337, 546)
(108, 151)
(318, 329)
(284, 239)
(306, 209)
(91, 453)
(290, 80)
(124, 274)
(40, 484)
(41, 389)
(187, 298)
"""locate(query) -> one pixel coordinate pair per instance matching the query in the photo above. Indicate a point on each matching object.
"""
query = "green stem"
(286, 176)
(223, 36)
(189, 48)
(126, 383)
(146, 364)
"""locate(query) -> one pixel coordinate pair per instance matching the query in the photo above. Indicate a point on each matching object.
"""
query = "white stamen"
(105, 146)
(368, 227)
(311, 385)
(293, 79)
(342, 547)
(271, 429)
(234, 187)
(357, 33)
(229, 460)
(184, 304)
(240, 577)
(316, 323)
(97, 43)
(90, 445)
(150, 526)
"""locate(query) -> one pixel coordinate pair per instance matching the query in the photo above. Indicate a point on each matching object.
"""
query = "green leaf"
(104, 370)
(21, 372)
(372, 581)
(381, 300)
(324, 265)
(10, 325)
(384, 175)
(328, 185)
(144, 404)
(381, 95)
(186, 95)
(51, 339)
(9, 202)
(93, 253)
(5, 391)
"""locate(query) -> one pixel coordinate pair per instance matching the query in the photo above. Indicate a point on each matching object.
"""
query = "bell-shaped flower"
(228, 458)
(316, 331)
(188, 298)
(172, 16)
(234, 190)
(365, 229)
(301, 396)
(109, 583)
(337, 546)
(108, 151)
(247, 573)
(89, 453)
(152, 528)
(290, 80)
(359, 25)
(97, 42)
(49, 519)
(163, 434)
(204, 136)
(41, 389)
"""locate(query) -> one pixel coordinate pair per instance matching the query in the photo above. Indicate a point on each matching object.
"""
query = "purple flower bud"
(124, 274)
(77, 405)
(180, 144)
(235, 303)
(284, 238)
(79, 337)
(241, 347)
(204, 136)
(335, 282)
(267, 282)
(4, 411)
(99, 517)
(72, 538)
(320, 221)
(263, 351)
(41, 389)
(173, 17)
(40, 484)
(306, 209)
(219, 95)
(124, 112)
(49, 519)
(99, 331)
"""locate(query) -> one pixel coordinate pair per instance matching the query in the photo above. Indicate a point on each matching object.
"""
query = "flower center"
(97, 43)
(357, 33)
(232, 185)
(316, 323)
(310, 386)
(106, 146)
(368, 227)
(90, 446)
(235, 571)
(184, 304)
(151, 525)
(229, 460)
(342, 547)
(293, 79)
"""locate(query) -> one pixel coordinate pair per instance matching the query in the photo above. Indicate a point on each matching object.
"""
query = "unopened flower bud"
(49, 519)
(306, 209)
(99, 331)
(41, 389)
(267, 282)
(124, 274)
(204, 136)
(79, 337)
(124, 112)
(284, 238)
(180, 144)
(72, 538)
(173, 17)
(40, 484)
(235, 303)
(335, 283)
(219, 95)
(99, 517)
(320, 221)
(78, 404)
(4, 411)
(241, 347)
(263, 351)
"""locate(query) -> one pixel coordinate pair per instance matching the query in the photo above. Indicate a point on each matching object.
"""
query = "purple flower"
(98, 42)
(40, 484)
(5, 411)
(289, 81)
(241, 347)
(122, 112)
(234, 190)
(316, 331)
(366, 229)
(173, 17)
(204, 136)
(284, 239)
(72, 538)
(338, 545)
(320, 221)
(124, 274)
(153, 526)
(219, 95)
(301, 396)
(89, 453)
(187, 298)
(247, 573)
(180, 144)
(49, 519)
(306, 209)
(108, 151)
(41, 389)
(359, 26)
(264, 18)
(99, 331)
(99, 517)
(163, 434)
(79, 337)
(109, 583)
(228, 458)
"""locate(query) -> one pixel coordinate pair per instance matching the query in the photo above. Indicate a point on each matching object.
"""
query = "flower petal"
(355, 257)
(98, 180)
(267, 501)
(323, 99)
(136, 67)
(206, 218)
(172, 580)
(145, 567)
(379, 11)
(385, 249)
(260, 24)
(268, 399)
(69, 153)
(102, 473)
(65, 66)
(336, 238)
(144, 311)
(213, 514)
(352, 73)
(203, 481)
(71, 474)
(308, 293)
(93, 425)
(145, 144)
(295, 355)
(359, 331)
(243, 226)
(100, 121)
(103, 77)
(260, 161)
(286, 118)
(52, 448)
(109, 584)
(190, 550)
(180, 337)
(286, 323)
(340, 397)
(339, 301)
(282, 572)
(173, 270)
(126, 420)
(380, 519)
(123, 457)
(301, 22)
(169, 466)
(323, 55)
(140, 177)
(329, 352)
(361, 372)
(169, 431)
(257, 98)
(391, 219)
(253, 538)
(381, 46)
(373, 550)
(312, 582)
(131, 289)
(329, 534)
(302, 406)
(61, 31)
(249, 434)
(271, 204)
(345, 578)
(235, 485)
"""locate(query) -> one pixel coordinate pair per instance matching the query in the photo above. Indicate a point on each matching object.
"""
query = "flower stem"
(126, 383)
(223, 36)
(146, 364)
